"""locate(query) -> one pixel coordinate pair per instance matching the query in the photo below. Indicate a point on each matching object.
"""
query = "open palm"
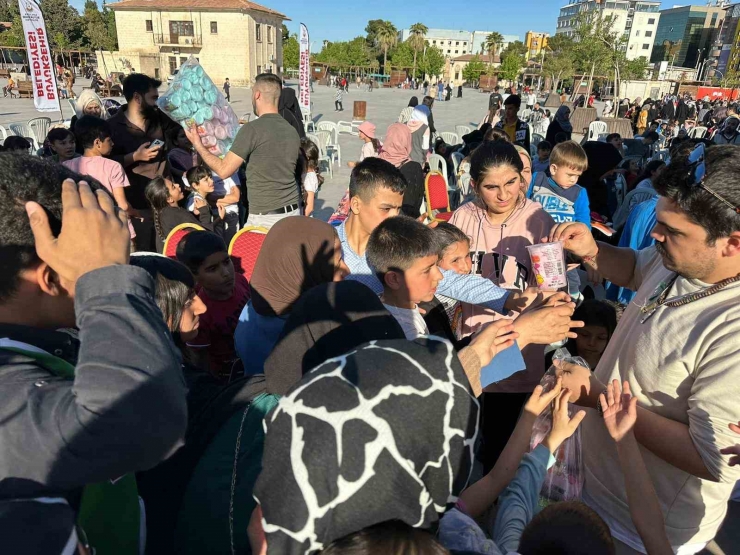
(620, 410)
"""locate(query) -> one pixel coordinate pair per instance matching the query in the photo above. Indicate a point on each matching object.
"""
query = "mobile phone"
(156, 143)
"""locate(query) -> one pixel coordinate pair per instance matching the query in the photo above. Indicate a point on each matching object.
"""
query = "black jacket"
(522, 133)
(124, 411)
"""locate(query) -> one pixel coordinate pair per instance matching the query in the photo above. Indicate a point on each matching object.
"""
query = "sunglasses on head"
(699, 170)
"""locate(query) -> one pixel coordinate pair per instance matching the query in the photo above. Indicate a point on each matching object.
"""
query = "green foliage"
(96, 30)
(63, 23)
(635, 69)
(493, 43)
(345, 54)
(285, 33)
(511, 67)
(432, 62)
(402, 56)
(474, 69)
(372, 32)
(291, 52)
(386, 36)
(14, 35)
(516, 48)
(417, 41)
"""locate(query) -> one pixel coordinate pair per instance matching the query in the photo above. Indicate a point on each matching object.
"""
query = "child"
(62, 143)
(94, 136)
(444, 314)
(404, 254)
(371, 146)
(560, 195)
(312, 180)
(338, 100)
(219, 197)
(181, 157)
(224, 293)
(15, 143)
(227, 88)
(163, 196)
(542, 162)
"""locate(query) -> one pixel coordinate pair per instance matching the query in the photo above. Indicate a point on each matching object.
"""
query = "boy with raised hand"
(76, 414)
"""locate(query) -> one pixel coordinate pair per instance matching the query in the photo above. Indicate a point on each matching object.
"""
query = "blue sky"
(345, 19)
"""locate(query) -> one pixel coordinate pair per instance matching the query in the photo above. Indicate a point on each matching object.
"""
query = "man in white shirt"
(676, 345)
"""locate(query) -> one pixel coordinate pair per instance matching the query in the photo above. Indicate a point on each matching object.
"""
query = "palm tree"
(417, 40)
(387, 36)
(492, 44)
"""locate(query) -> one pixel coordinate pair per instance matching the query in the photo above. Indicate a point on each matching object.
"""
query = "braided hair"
(157, 195)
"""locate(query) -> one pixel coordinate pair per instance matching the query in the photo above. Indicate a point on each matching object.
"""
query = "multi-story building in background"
(637, 21)
(455, 43)
(535, 43)
(725, 48)
(686, 34)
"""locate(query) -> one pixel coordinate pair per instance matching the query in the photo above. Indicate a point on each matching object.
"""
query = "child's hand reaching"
(539, 401)
(562, 425)
(620, 410)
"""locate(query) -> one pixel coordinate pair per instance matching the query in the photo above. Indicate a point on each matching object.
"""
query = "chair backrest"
(620, 186)
(246, 117)
(536, 139)
(439, 164)
(245, 247)
(524, 116)
(3, 132)
(331, 127)
(457, 158)
(595, 128)
(324, 137)
(22, 130)
(72, 104)
(698, 132)
(435, 192)
(462, 130)
(450, 138)
(344, 127)
(39, 127)
(405, 114)
(464, 184)
(175, 236)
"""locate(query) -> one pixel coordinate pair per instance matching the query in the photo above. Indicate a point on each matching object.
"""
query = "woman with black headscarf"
(560, 124)
(603, 158)
(682, 111)
(291, 112)
(414, 102)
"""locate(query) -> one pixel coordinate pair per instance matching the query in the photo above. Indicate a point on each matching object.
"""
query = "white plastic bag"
(193, 100)
(564, 481)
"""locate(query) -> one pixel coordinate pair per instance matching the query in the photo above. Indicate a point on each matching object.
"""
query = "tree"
(345, 55)
(387, 36)
(492, 45)
(432, 62)
(559, 63)
(14, 35)
(286, 33)
(516, 48)
(110, 23)
(511, 67)
(594, 45)
(63, 23)
(402, 56)
(96, 32)
(372, 32)
(472, 72)
(417, 41)
(291, 52)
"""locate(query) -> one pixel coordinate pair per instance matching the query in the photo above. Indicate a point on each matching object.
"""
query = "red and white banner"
(304, 72)
(40, 62)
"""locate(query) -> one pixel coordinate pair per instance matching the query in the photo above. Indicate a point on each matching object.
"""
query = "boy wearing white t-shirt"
(404, 254)
(220, 196)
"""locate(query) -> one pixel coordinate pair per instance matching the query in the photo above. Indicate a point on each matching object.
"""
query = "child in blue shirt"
(560, 195)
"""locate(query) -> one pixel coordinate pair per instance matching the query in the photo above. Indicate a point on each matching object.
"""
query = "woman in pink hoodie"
(501, 222)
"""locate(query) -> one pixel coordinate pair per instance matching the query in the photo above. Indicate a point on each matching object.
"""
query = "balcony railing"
(175, 40)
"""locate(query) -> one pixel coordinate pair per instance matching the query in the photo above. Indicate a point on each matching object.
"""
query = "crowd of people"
(376, 384)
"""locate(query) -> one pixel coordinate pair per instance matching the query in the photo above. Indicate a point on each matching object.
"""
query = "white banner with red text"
(304, 72)
(40, 62)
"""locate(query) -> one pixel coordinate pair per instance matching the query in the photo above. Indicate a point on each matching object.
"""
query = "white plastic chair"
(438, 163)
(320, 139)
(596, 128)
(72, 104)
(3, 132)
(344, 127)
(536, 139)
(246, 117)
(308, 121)
(405, 114)
(462, 130)
(524, 116)
(450, 138)
(39, 127)
(22, 130)
(698, 132)
(333, 144)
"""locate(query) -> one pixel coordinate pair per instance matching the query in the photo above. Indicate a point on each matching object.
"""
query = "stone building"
(237, 39)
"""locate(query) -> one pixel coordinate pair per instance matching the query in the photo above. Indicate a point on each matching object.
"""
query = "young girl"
(501, 222)
(371, 146)
(163, 196)
(312, 179)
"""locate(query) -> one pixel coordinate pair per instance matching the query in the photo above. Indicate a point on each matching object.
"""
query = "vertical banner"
(45, 94)
(304, 73)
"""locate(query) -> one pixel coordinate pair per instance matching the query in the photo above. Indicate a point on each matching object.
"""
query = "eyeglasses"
(699, 170)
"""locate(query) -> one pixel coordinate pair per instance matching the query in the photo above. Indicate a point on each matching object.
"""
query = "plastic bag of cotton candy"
(193, 100)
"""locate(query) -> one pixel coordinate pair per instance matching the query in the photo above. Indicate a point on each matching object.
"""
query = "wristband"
(591, 260)
(599, 406)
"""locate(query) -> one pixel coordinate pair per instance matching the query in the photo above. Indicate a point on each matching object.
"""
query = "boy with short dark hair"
(404, 255)
(224, 293)
(227, 89)
(62, 143)
(542, 162)
(560, 195)
(516, 129)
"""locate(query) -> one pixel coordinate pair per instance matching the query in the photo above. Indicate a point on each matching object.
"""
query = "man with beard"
(133, 130)
(728, 134)
(271, 147)
(676, 345)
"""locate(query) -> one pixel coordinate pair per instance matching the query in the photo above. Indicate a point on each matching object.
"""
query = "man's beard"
(149, 112)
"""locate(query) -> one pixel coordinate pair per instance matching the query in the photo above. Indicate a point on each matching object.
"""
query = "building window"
(156, 73)
(651, 21)
(646, 47)
(455, 51)
(637, 33)
(457, 43)
(149, 28)
(269, 34)
(714, 20)
(182, 28)
(648, 33)
(259, 70)
(258, 35)
(214, 27)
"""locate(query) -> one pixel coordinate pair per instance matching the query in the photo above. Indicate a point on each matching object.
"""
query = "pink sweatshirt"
(499, 253)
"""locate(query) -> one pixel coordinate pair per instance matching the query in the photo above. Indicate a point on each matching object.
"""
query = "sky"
(336, 20)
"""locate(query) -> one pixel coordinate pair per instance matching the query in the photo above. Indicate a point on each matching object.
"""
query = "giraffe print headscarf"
(385, 432)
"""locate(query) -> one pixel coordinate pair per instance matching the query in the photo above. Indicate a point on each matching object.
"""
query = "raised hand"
(547, 324)
(620, 410)
(492, 339)
(576, 236)
(563, 426)
(539, 400)
(583, 385)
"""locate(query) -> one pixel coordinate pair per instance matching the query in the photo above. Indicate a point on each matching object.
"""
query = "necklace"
(660, 296)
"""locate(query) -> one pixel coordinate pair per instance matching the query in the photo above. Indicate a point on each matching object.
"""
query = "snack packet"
(548, 263)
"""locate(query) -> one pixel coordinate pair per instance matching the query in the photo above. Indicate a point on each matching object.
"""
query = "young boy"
(224, 293)
(560, 195)
(338, 101)
(227, 88)
(220, 196)
(62, 143)
(516, 129)
(94, 135)
(542, 162)
(404, 255)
